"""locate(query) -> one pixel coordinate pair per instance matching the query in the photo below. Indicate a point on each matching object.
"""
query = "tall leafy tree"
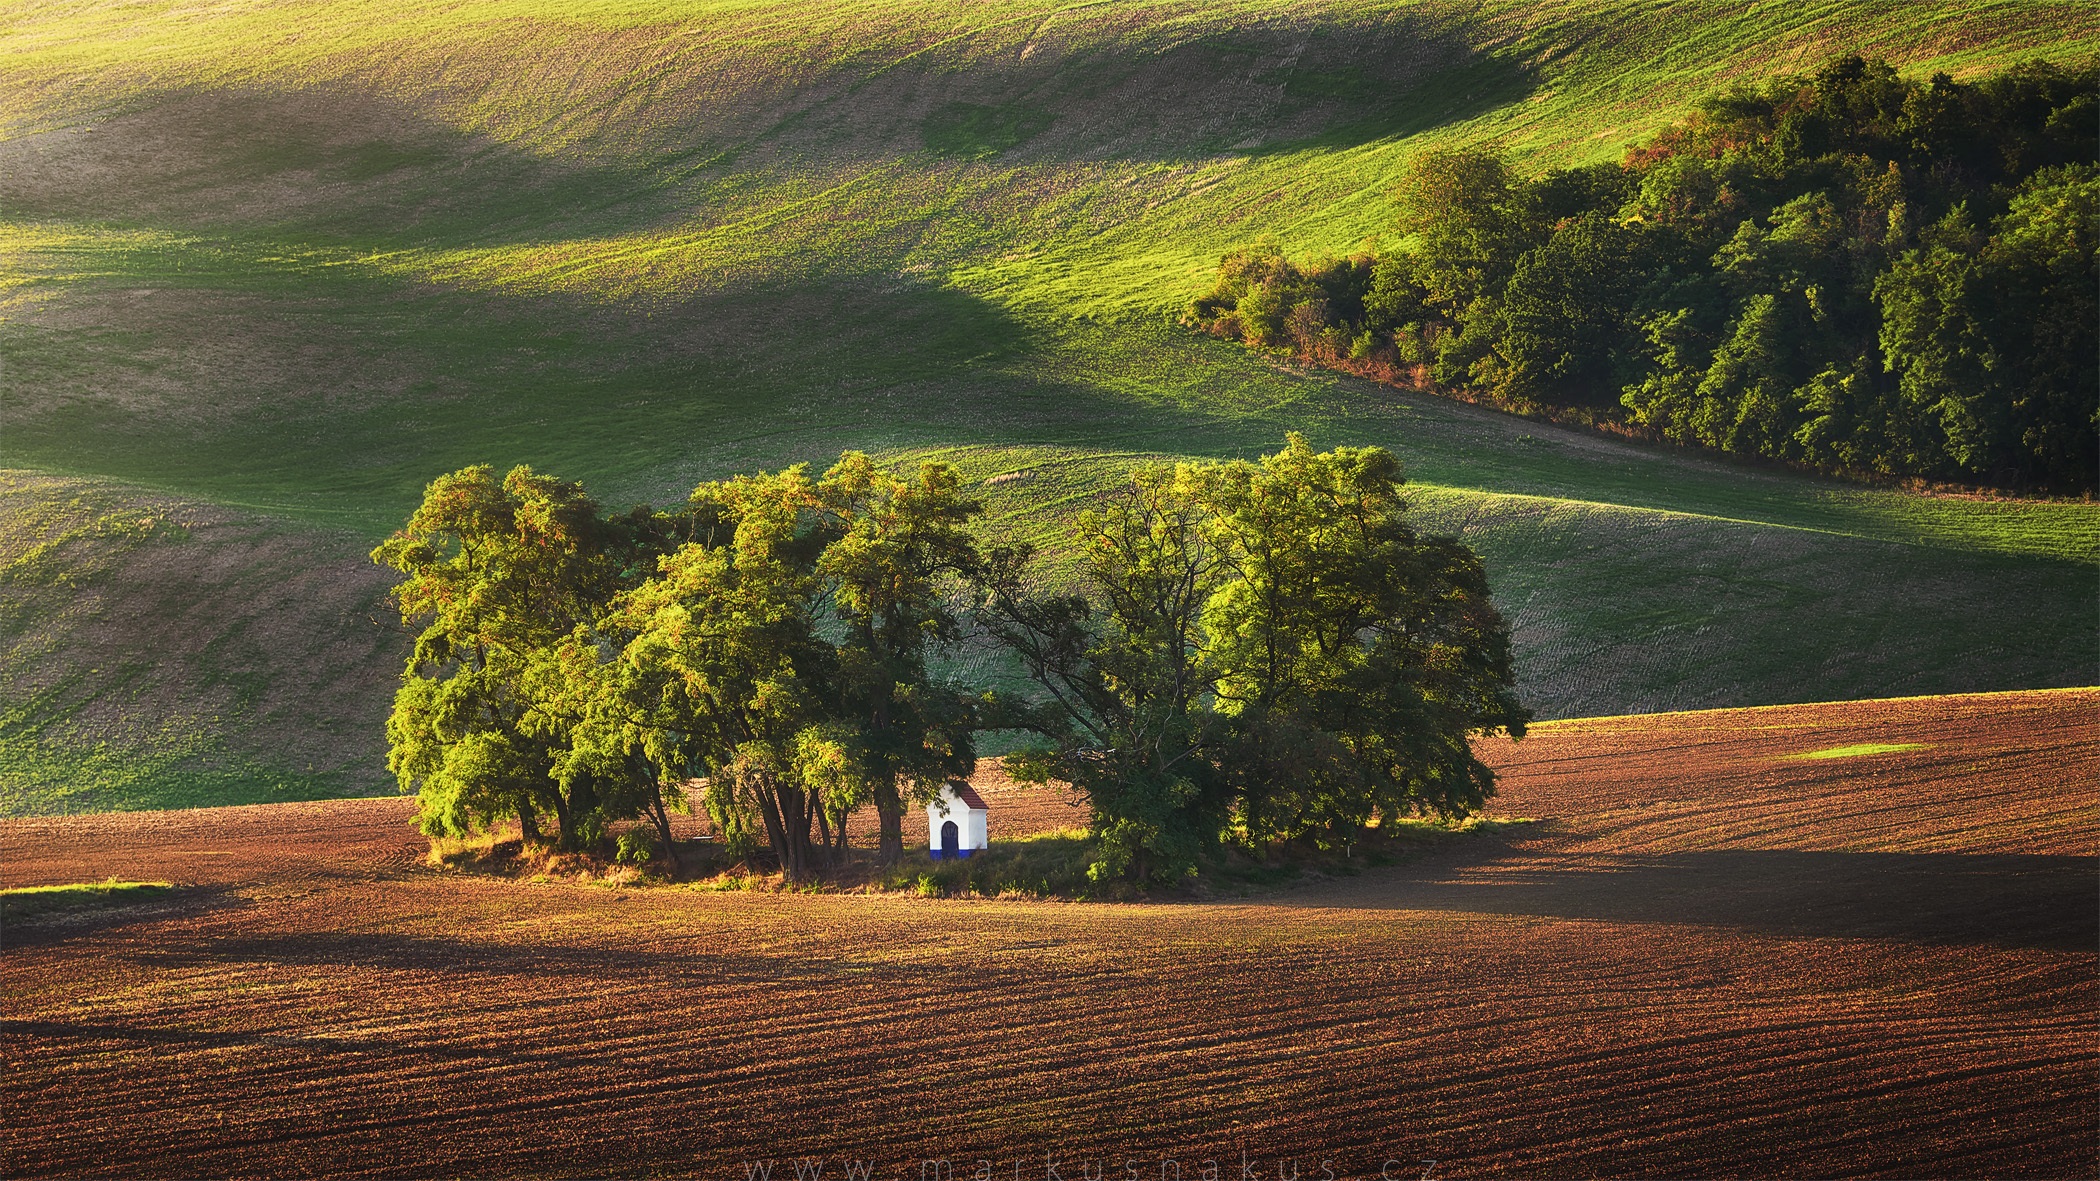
(724, 674)
(1994, 337)
(1354, 659)
(1125, 686)
(1466, 211)
(783, 655)
(897, 554)
(498, 574)
(1568, 306)
(1262, 652)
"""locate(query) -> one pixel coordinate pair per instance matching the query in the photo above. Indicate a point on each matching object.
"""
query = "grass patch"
(47, 773)
(1860, 750)
(25, 902)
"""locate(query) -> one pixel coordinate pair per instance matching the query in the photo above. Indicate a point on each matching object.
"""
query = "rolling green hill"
(270, 267)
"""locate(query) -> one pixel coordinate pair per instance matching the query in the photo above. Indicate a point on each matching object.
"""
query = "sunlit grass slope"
(296, 258)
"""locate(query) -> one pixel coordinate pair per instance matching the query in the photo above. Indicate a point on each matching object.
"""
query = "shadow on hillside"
(325, 162)
(95, 919)
(463, 956)
(641, 401)
(2001, 900)
(1162, 94)
(392, 952)
(337, 161)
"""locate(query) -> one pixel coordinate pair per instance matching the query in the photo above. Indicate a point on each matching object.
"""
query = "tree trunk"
(889, 808)
(561, 819)
(662, 816)
(797, 861)
(769, 809)
(529, 824)
(791, 850)
(580, 800)
(786, 810)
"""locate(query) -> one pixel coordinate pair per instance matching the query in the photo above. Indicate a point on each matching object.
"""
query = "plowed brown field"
(1707, 958)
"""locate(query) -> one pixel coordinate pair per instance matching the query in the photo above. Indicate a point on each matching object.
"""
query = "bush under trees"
(1260, 654)
(1851, 271)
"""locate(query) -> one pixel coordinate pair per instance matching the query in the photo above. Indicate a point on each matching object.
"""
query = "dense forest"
(1851, 271)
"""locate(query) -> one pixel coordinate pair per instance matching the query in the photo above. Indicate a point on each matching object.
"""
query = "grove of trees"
(1852, 271)
(1257, 655)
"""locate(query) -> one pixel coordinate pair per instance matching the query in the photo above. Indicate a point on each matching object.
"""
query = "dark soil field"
(1707, 957)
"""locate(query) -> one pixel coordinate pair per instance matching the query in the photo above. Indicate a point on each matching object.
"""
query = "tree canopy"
(1259, 654)
(1278, 656)
(499, 574)
(1850, 270)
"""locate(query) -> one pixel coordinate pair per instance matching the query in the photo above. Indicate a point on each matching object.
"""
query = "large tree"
(1994, 338)
(1120, 665)
(1262, 653)
(499, 573)
(783, 656)
(897, 553)
(1467, 215)
(1353, 658)
(726, 675)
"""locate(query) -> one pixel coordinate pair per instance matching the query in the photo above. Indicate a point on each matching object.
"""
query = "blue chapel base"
(938, 854)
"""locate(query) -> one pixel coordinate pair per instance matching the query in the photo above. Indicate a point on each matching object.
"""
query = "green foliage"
(1794, 272)
(1352, 658)
(715, 667)
(1566, 312)
(500, 574)
(1994, 336)
(1276, 656)
(899, 547)
(1465, 210)
(782, 655)
(1125, 684)
(634, 847)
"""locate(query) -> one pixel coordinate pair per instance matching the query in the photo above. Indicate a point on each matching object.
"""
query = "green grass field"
(274, 266)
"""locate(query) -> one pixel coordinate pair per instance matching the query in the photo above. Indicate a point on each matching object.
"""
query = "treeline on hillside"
(1260, 654)
(1851, 271)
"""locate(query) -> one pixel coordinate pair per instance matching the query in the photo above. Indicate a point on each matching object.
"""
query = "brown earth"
(1706, 958)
